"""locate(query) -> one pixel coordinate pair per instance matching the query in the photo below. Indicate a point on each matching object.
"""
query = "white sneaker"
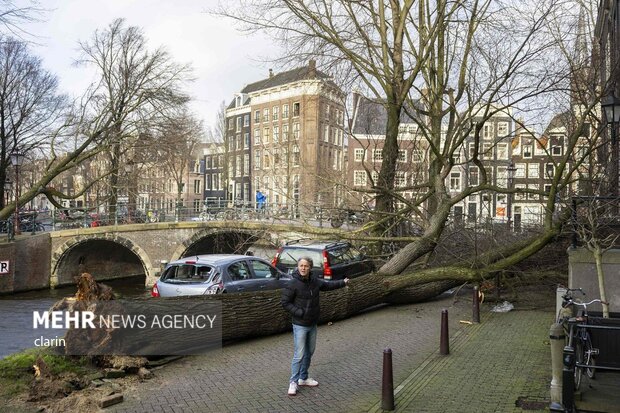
(292, 389)
(308, 382)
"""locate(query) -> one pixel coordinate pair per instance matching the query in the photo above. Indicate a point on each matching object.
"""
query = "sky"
(224, 60)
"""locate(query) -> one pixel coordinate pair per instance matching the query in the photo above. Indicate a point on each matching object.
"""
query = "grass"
(16, 371)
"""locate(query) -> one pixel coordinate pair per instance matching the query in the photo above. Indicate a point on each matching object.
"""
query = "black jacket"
(301, 297)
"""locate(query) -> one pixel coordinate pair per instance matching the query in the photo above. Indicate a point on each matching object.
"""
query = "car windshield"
(290, 256)
(188, 273)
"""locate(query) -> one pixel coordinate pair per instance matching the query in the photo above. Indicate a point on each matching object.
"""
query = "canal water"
(16, 311)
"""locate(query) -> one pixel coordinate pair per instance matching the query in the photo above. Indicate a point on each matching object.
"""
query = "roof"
(279, 79)
(212, 259)
(371, 117)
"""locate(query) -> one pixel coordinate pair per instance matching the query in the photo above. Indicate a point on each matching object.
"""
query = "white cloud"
(223, 59)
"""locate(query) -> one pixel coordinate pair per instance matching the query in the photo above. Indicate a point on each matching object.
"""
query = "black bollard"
(476, 305)
(568, 379)
(444, 346)
(387, 392)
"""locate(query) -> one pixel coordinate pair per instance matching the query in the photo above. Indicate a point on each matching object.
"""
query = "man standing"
(301, 299)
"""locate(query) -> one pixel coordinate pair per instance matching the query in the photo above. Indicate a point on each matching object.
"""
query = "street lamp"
(611, 106)
(511, 169)
(17, 159)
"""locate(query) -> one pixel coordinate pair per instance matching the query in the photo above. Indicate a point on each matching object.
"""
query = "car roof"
(211, 259)
(314, 244)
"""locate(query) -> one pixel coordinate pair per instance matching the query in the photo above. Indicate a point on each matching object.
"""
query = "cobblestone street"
(491, 366)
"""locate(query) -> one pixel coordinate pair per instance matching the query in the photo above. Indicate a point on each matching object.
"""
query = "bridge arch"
(222, 241)
(105, 255)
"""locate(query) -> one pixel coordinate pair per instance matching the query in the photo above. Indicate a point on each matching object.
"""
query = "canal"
(16, 332)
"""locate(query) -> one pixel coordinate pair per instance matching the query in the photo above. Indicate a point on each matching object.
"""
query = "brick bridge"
(121, 251)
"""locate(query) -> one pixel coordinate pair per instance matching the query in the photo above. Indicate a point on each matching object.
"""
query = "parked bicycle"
(574, 317)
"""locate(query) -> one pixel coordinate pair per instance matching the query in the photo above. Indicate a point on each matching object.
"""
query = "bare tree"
(30, 105)
(136, 88)
(450, 67)
(178, 139)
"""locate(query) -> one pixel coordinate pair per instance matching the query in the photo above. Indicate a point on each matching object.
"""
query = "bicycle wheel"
(589, 357)
(579, 359)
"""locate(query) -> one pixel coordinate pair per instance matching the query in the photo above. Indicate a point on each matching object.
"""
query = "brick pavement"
(483, 372)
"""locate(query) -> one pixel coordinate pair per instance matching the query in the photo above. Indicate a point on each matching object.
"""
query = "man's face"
(303, 267)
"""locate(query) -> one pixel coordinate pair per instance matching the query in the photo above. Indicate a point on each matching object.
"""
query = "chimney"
(312, 68)
(270, 73)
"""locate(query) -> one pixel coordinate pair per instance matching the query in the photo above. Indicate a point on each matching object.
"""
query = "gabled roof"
(279, 79)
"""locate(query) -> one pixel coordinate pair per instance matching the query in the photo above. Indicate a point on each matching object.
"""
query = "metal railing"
(71, 218)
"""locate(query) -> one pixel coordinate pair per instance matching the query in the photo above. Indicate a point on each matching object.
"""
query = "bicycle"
(578, 336)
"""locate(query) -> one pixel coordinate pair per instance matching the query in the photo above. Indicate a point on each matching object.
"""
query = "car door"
(239, 277)
(264, 276)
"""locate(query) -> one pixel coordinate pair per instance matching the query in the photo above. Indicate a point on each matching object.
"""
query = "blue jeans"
(305, 343)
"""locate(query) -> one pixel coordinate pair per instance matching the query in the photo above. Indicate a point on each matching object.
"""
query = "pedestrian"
(301, 299)
(260, 199)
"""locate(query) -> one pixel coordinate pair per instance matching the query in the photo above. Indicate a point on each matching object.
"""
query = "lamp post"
(511, 169)
(611, 106)
(17, 158)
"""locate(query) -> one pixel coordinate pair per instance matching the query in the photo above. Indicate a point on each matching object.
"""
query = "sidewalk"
(491, 366)
(500, 365)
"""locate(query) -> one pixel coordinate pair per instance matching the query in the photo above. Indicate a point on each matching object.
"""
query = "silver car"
(217, 273)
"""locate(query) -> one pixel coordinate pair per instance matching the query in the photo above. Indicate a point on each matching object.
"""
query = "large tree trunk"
(245, 315)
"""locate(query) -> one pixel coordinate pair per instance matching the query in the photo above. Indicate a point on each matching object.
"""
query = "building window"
(374, 175)
(532, 170)
(265, 135)
(296, 130)
(239, 120)
(275, 113)
(296, 109)
(520, 172)
(327, 112)
(547, 189)
(239, 142)
(231, 123)
(231, 144)
(257, 116)
(256, 136)
(549, 170)
(196, 186)
(502, 151)
(359, 178)
(377, 155)
(246, 164)
(246, 120)
(257, 159)
(285, 111)
(487, 151)
(276, 157)
(400, 179)
(402, 155)
(276, 134)
(533, 187)
(502, 129)
(417, 155)
(474, 177)
(326, 133)
(359, 154)
(284, 132)
(527, 150)
(266, 115)
(246, 139)
(487, 131)
(455, 181)
(520, 196)
(296, 156)
(556, 150)
(266, 160)
(238, 166)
